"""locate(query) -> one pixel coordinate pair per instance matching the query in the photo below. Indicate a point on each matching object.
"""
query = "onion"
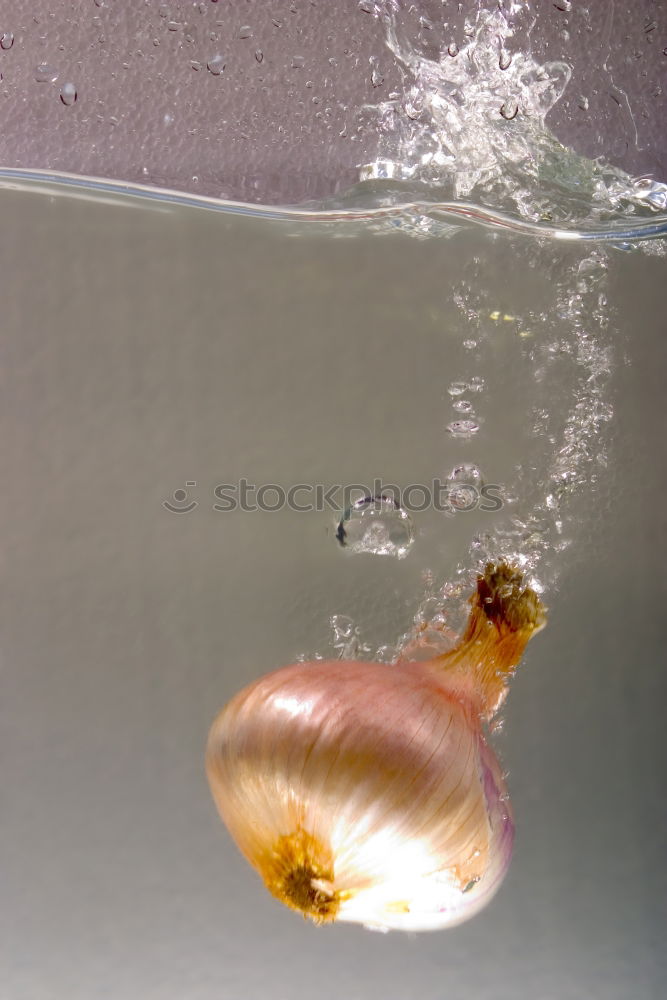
(368, 793)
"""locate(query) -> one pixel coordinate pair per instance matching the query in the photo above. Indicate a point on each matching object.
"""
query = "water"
(174, 369)
(251, 348)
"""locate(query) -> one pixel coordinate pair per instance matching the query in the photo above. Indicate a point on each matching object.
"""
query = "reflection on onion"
(368, 793)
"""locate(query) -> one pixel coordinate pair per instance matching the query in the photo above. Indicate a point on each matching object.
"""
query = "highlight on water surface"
(367, 793)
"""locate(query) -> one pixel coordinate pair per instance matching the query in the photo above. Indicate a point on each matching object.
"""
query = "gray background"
(144, 348)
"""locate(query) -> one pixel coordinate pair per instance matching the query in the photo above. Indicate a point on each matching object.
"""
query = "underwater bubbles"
(463, 428)
(464, 483)
(378, 525)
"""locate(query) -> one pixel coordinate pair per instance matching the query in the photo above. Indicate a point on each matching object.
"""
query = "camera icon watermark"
(180, 502)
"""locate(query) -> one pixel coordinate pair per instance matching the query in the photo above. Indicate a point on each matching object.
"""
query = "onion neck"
(504, 615)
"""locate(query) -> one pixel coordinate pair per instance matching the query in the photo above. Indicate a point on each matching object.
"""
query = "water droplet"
(7, 40)
(583, 103)
(216, 65)
(463, 405)
(68, 94)
(463, 428)
(505, 59)
(259, 55)
(470, 344)
(245, 31)
(378, 525)
(100, 3)
(46, 74)
(174, 26)
(298, 62)
(476, 383)
(509, 109)
(452, 49)
(196, 66)
(377, 78)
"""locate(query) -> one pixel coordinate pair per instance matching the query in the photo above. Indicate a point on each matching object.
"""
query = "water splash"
(470, 124)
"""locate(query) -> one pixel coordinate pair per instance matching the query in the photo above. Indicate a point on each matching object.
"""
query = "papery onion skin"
(368, 793)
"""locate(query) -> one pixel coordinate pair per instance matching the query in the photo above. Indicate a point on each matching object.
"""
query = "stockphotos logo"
(449, 496)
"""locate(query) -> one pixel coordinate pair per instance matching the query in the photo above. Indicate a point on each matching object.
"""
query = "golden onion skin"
(368, 793)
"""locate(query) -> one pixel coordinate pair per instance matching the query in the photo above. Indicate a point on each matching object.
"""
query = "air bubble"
(377, 525)
(346, 638)
(463, 428)
(385, 654)
(466, 472)
(259, 55)
(463, 405)
(476, 383)
(464, 483)
(298, 62)
(452, 49)
(457, 388)
(342, 627)
(245, 31)
(6, 40)
(68, 94)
